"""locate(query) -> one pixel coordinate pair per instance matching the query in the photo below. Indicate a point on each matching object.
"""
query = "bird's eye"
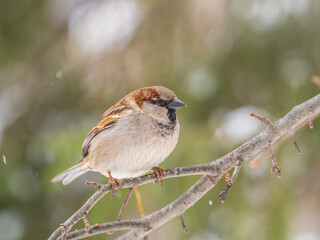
(159, 102)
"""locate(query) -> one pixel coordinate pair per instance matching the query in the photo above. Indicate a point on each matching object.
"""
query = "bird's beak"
(176, 104)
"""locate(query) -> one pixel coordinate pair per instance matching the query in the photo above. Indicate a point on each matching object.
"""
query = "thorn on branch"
(311, 124)
(275, 165)
(230, 181)
(86, 224)
(93, 184)
(263, 120)
(294, 141)
(260, 118)
(183, 224)
(125, 203)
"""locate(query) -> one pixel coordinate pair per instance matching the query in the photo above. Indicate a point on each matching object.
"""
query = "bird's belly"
(137, 161)
(131, 158)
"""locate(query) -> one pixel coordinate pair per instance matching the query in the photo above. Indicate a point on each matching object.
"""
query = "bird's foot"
(114, 182)
(160, 174)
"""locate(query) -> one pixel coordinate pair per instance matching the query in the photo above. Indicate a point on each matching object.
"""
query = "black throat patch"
(172, 115)
(166, 129)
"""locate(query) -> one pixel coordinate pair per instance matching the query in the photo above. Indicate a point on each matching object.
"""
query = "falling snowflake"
(59, 74)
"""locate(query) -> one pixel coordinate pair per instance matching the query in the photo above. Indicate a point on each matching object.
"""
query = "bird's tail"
(70, 174)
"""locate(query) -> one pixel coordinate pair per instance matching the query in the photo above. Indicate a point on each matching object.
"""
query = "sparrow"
(134, 136)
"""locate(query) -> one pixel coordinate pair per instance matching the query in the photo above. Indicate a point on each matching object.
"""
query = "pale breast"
(128, 151)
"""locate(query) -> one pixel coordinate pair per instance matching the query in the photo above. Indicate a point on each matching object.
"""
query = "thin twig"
(125, 203)
(264, 120)
(183, 224)
(225, 191)
(235, 173)
(295, 144)
(212, 172)
(260, 118)
(265, 153)
(275, 166)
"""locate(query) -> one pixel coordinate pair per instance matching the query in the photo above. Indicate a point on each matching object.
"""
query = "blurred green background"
(63, 63)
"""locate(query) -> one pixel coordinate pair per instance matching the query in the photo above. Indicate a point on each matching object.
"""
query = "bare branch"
(212, 172)
(107, 227)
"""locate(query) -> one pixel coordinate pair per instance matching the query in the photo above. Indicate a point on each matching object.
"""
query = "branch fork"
(230, 181)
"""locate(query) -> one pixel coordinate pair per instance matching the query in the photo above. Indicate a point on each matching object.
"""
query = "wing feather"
(109, 120)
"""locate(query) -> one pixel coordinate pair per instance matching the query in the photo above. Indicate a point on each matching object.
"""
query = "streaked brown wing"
(109, 120)
(116, 109)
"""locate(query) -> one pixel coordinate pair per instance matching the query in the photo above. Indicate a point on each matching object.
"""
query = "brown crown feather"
(144, 94)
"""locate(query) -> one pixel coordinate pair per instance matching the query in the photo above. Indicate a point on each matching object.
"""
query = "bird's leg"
(114, 181)
(160, 174)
